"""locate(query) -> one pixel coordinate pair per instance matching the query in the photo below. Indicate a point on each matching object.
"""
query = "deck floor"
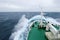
(37, 34)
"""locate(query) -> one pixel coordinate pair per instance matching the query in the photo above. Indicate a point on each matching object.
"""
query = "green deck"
(37, 34)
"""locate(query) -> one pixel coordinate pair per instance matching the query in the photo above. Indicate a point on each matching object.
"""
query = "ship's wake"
(19, 29)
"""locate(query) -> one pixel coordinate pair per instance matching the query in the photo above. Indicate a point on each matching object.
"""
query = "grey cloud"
(29, 5)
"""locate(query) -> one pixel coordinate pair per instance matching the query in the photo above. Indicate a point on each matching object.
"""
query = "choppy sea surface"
(9, 19)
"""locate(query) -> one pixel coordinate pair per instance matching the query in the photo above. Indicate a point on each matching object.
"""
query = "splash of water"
(19, 29)
(52, 20)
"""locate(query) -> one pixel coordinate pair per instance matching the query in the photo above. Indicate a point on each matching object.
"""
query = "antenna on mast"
(41, 18)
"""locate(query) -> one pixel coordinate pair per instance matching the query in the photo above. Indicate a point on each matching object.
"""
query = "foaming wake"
(19, 29)
(52, 20)
(58, 19)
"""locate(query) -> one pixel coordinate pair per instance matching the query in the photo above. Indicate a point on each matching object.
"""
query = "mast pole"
(41, 18)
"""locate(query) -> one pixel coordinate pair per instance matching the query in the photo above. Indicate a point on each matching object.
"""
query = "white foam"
(19, 28)
(52, 20)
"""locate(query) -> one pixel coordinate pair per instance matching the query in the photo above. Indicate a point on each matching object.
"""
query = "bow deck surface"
(37, 34)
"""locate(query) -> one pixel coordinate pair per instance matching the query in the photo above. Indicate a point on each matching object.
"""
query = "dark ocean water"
(9, 19)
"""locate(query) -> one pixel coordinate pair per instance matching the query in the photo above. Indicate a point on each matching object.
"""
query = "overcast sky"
(29, 5)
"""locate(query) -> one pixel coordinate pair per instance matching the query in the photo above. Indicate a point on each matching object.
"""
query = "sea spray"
(19, 29)
(52, 20)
